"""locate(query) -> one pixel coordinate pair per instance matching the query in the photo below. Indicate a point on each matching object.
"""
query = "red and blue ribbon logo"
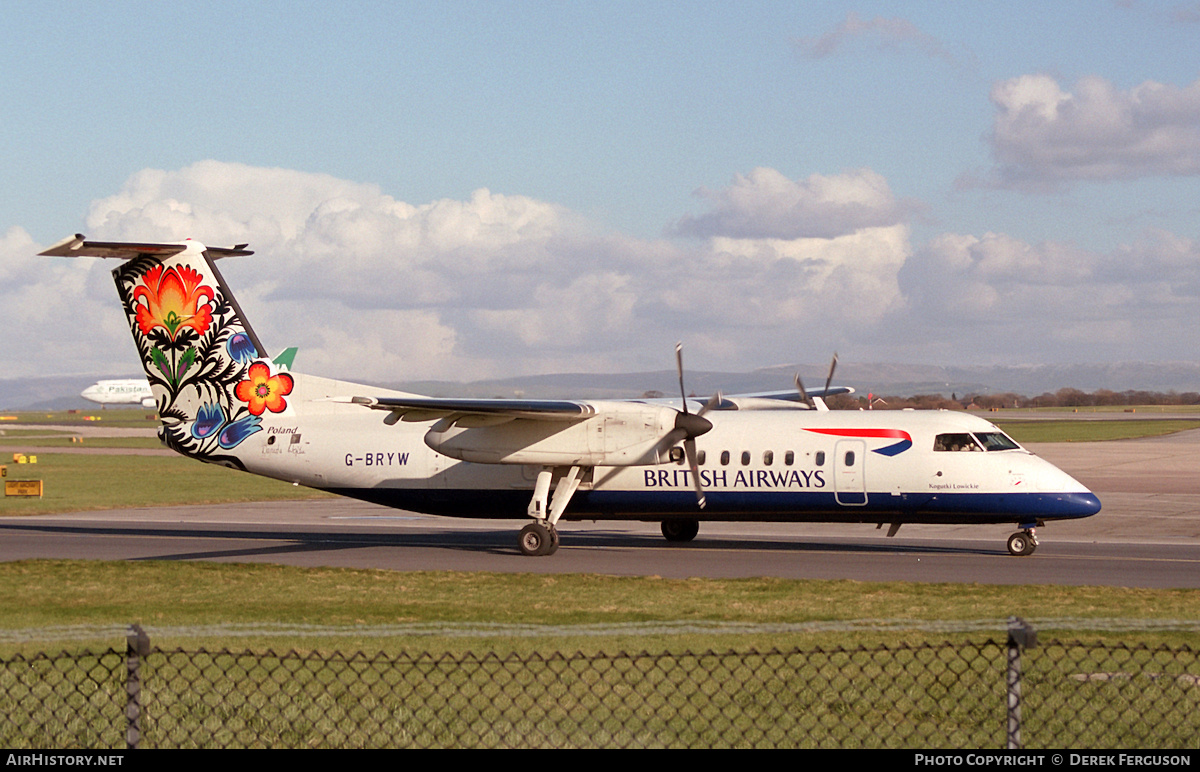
(891, 450)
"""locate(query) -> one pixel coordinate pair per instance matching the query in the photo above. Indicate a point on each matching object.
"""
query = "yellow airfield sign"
(23, 488)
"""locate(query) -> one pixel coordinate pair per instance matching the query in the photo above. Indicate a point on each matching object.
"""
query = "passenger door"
(849, 477)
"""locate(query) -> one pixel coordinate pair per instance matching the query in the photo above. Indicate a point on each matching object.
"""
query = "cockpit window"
(996, 441)
(955, 442)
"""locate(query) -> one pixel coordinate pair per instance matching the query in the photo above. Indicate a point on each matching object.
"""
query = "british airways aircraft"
(774, 457)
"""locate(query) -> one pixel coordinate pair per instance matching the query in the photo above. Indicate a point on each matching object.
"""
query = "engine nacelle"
(620, 434)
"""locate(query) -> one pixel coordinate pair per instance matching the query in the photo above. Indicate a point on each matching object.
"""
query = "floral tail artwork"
(210, 380)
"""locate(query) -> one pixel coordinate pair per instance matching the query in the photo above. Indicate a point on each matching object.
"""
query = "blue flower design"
(209, 419)
(241, 348)
(239, 430)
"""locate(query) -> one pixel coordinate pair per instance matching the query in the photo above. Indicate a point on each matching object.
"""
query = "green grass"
(201, 600)
(77, 482)
(67, 440)
(1090, 431)
(365, 687)
(131, 418)
(689, 690)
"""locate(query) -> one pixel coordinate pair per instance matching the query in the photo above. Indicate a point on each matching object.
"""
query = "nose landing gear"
(1023, 542)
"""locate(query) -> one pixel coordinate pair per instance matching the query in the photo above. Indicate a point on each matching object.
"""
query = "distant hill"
(62, 392)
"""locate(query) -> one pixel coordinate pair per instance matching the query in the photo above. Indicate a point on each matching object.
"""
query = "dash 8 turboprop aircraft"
(777, 457)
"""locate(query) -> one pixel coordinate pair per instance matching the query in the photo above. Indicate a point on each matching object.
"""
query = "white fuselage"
(795, 464)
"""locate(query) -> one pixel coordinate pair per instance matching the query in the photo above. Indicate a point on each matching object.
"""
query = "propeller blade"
(829, 380)
(713, 401)
(679, 368)
(804, 393)
(689, 448)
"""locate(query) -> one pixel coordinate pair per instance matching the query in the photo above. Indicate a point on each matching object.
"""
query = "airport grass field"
(258, 606)
(199, 601)
(1068, 430)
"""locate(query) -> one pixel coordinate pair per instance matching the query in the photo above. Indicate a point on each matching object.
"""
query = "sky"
(462, 190)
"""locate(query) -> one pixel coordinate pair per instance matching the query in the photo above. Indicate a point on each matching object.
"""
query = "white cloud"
(1140, 301)
(60, 316)
(1044, 136)
(767, 204)
(494, 285)
(227, 202)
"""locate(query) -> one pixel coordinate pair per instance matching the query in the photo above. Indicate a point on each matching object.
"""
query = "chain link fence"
(1014, 693)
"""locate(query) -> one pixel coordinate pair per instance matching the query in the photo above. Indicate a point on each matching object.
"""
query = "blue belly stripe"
(783, 506)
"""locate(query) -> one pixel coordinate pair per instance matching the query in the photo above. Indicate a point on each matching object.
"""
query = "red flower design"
(171, 299)
(263, 391)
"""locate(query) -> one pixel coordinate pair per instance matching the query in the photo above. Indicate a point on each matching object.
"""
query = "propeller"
(688, 427)
(808, 400)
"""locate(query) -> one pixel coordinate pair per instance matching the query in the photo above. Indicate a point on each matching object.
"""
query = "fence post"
(137, 645)
(1020, 636)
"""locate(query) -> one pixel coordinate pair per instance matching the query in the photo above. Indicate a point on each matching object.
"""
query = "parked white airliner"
(125, 391)
(778, 457)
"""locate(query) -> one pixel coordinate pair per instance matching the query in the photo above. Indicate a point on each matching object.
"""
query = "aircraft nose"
(1081, 504)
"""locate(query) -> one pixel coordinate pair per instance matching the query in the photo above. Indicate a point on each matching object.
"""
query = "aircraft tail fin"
(210, 375)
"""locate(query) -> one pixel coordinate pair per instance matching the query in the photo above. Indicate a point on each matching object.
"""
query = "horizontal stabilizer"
(78, 246)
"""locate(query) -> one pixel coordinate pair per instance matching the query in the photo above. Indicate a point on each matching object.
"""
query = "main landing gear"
(538, 539)
(1023, 542)
(541, 537)
(680, 530)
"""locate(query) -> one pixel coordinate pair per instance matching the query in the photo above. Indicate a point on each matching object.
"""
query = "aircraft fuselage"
(785, 465)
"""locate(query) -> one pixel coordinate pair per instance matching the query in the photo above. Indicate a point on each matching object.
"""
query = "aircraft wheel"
(680, 530)
(536, 539)
(1021, 543)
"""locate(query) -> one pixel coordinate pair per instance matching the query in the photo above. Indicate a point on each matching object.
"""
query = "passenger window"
(789, 458)
(745, 458)
(724, 457)
(820, 459)
(768, 457)
(700, 456)
(849, 458)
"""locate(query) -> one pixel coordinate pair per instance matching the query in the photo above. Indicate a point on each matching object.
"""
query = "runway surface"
(1147, 535)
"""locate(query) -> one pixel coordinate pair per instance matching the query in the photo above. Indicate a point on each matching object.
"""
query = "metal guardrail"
(1013, 693)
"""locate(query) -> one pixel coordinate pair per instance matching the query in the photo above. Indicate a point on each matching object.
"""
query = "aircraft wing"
(760, 400)
(569, 411)
(429, 408)
(792, 395)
